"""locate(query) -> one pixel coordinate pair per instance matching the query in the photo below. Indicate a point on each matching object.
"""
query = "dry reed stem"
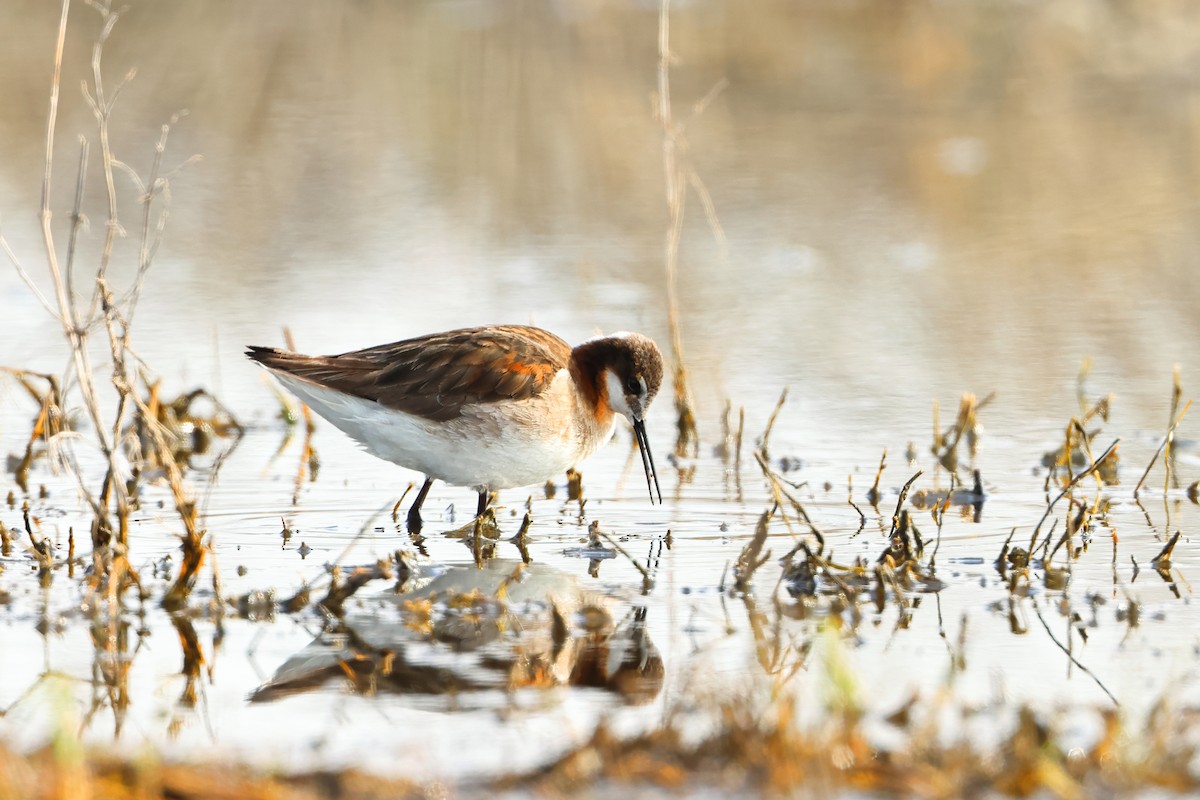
(1164, 555)
(873, 494)
(78, 220)
(678, 175)
(396, 508)
(737, 460)
(49, 422)
(1169, 452)
(780, 493)
(117, 328)
(763, 442)
(74, 328)
(903, 496)
(308, 454)
(939, 516)
(159, 184)
(862, 518)
(194, 550)
(1165, 445)
(1085, 369)
(1086, 444)
(966, 424)
(1078, 477)
(752, 556)
(726, 446)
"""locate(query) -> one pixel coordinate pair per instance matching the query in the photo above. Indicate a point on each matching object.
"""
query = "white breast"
(489, 446)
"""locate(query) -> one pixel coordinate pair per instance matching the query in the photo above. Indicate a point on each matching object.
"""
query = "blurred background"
(917, 198)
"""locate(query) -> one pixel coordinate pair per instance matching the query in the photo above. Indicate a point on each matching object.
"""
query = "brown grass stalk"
(309, 461)
(679, 174)
(1078, 477)
(752, 556)
(1165, 445)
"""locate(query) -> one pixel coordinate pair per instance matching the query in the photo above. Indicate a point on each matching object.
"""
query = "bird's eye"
(633, 386)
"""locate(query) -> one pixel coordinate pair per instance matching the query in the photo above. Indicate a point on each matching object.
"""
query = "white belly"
(490, 446)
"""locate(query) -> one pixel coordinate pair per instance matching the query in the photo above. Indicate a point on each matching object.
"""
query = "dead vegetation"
(759, 747)
(758, 742)
(141, 436)
(58, 773)
(966, 428)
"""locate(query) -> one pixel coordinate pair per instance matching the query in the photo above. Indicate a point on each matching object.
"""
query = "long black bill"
(639, 433)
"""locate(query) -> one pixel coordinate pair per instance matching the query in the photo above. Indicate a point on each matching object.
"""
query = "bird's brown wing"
(435, 376)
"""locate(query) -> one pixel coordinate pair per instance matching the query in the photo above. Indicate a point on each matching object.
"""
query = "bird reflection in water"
(507, 626)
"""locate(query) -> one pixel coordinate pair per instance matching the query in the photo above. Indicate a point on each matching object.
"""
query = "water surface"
(914, 203)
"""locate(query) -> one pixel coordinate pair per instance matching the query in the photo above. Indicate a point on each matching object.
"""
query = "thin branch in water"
(862, 518)
(1086, 442)
(762, 446)
(873, 494)
(752, 556)
(308, 453)
(710, 209)
(1167, 440)
(26, 279)
(1078, 477)
(701, 105)
(1164, 556)
(903, 496)
(396, 508)
(73, 332)
(77, 218)
(55, 83)
(677, 176)
(939, 512)
(780, 493)
(1071, 656)
(158, 185)
(737, 460)
(676, 192)
(101, 110)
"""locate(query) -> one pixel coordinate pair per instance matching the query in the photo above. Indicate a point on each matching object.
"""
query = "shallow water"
(911, 209)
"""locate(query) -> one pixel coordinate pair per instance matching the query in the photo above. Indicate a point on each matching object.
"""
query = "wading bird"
(488, 408)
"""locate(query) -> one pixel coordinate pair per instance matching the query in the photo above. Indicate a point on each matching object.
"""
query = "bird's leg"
(483, 503)
(414, 512)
